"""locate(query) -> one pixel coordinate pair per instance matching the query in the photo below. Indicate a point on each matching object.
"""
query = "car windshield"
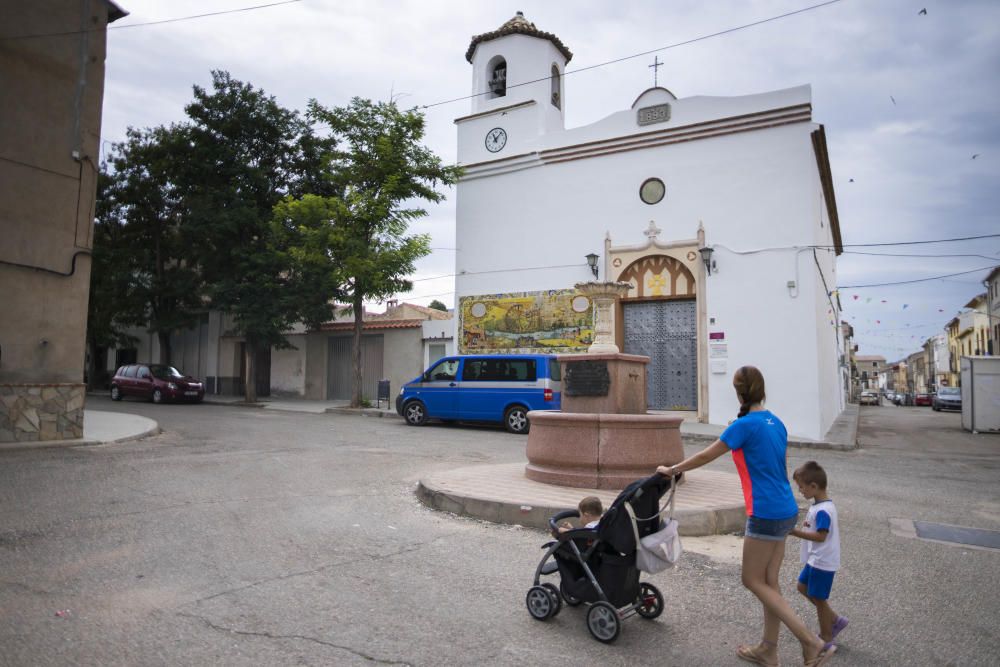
(949, 391)
(165, 372)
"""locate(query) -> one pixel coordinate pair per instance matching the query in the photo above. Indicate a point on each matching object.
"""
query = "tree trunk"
(359, 313)
(250, 385)
(92, 369)
(165, 351)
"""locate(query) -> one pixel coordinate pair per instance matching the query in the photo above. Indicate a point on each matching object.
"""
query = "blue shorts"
(817, 582)
(774, 530)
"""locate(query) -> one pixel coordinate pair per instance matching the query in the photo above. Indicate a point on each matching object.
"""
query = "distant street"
(248, 537)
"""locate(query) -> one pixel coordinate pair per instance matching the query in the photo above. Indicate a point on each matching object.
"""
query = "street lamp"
(592, 262)
(706, 257)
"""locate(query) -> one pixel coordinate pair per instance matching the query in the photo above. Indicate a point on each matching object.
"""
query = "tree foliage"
(380, 171)
(437, 305)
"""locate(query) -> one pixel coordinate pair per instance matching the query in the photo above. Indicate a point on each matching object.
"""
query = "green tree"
(437, 305)
(244, 154)
(143, 195)
(113, 305)
(378, 169)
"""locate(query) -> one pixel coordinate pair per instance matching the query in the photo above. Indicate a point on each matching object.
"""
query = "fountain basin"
(599, 451)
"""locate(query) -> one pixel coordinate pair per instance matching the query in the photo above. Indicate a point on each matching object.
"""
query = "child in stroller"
(597, 566)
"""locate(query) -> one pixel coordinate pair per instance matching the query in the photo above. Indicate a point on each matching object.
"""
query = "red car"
(155, 382)
(923, 399)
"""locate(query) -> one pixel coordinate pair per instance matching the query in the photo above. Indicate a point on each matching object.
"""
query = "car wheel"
(415, 413)
(157, 396)
(515, 419)
(116, 394)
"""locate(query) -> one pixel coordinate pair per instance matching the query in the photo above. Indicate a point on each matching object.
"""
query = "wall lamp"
(706, 257)
(592, 263)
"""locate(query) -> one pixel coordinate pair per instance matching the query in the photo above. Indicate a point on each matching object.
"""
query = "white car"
(868, 398)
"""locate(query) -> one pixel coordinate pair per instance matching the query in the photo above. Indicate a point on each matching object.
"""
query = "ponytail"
(749, 385)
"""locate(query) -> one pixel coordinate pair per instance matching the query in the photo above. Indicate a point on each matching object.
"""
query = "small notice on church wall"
(718, 351)
(659, 113)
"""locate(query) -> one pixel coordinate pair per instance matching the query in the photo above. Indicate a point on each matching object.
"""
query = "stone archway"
(659, 276)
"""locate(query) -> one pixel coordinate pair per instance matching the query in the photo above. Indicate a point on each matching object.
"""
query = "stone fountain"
(603, 438)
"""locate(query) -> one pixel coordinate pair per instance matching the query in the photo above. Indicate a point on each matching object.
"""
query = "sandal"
(755, 655)
(822, 656)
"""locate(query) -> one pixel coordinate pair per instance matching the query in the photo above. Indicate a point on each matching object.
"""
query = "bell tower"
(518, 64)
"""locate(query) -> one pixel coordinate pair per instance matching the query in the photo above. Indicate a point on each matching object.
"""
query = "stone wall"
(36, 412)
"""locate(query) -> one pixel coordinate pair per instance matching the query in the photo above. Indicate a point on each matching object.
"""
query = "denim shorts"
(770, 529)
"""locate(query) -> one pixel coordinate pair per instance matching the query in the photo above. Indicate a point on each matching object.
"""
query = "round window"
(652, 190)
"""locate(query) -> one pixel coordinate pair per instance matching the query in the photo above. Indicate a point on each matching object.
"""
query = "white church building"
(719, 211)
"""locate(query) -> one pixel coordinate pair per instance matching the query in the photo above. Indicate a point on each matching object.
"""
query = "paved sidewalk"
(99, 427)
(708, 502)
(304, 405)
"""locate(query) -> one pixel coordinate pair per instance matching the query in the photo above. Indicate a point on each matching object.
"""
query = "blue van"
(487, 388)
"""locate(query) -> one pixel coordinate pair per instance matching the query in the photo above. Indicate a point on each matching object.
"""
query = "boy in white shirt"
(820, 534)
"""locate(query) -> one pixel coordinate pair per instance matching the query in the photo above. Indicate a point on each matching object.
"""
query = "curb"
(693, 523)
(701, 439)
(53, 444)
(363, 412)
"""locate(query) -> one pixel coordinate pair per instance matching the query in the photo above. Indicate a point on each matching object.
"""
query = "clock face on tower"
(496, 139)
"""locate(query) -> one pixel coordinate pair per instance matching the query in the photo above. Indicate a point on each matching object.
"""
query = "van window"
(555, 371)
(143, 372)
(446, 370)
(494, 370)
(130, 372)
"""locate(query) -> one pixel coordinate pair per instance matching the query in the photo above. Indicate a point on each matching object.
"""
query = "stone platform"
(708, 502)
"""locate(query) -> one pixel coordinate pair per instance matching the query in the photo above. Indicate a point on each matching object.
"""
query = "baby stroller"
(597, 566)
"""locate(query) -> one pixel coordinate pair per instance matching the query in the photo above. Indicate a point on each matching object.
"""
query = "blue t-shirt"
(758, 441)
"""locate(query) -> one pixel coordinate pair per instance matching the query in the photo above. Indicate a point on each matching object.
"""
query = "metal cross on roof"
(656, 66)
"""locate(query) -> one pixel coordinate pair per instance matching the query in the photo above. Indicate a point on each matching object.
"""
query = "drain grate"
(989, 539)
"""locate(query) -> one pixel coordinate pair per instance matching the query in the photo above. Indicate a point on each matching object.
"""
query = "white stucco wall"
(752, 191)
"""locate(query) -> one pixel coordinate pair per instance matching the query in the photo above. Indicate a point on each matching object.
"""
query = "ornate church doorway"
(665, 331)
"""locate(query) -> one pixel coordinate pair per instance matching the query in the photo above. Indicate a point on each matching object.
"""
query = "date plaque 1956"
(659, 113)
(586, 378)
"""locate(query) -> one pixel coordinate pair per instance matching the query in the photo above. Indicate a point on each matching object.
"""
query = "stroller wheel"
(556, 600)
(650, 601)
(540, 604)
(603, 622)
(567, 598)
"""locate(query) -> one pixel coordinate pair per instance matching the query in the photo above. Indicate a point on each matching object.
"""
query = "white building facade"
(719, 211)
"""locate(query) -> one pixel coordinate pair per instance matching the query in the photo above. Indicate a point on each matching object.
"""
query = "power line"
(878, 245)
(646, 53)
(918, 280)
(148, 23)
(892, 254)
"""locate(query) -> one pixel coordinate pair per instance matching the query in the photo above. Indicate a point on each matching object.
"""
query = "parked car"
(947, 398)
(155, 382)
(487, 388)
(923, 399)
(868, 398)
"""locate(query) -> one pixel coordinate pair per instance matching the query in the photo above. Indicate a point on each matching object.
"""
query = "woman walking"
(758, 440)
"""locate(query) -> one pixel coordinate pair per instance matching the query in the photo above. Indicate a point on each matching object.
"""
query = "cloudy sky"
(907, 100)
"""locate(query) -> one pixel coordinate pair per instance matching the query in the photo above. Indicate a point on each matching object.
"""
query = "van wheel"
(157, 396)
(415, 413)
(116, 394)
(515, 419)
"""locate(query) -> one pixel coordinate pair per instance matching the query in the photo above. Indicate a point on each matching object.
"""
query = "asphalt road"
(250, 537)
